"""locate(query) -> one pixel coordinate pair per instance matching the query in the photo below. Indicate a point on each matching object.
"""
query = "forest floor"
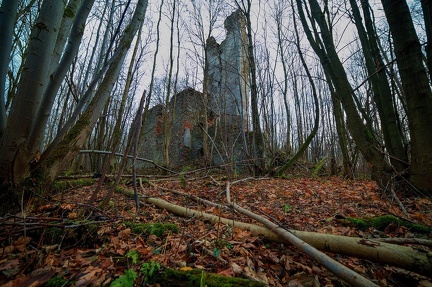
(68, 242)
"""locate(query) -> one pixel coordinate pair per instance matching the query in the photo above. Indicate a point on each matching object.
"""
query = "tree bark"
(8, 12)
(322, 43)
(77, 136)
(427, 15)
(14, 156)
(61, 68)
(417, 91)
(381, 88)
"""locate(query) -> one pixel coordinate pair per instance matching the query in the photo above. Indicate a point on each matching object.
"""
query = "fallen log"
(349, 276)
(401, 256)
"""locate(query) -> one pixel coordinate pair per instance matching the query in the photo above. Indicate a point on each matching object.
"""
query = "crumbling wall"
(184, 121)
(188, 109)
(152, 137)
(227, 76)
(228, 69)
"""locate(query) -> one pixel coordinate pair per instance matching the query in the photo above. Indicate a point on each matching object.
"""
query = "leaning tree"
(53, 44)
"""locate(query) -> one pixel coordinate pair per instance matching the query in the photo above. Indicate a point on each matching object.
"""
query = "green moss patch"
(66, 184)
(157, 229)
(171, 277)
(381, 222)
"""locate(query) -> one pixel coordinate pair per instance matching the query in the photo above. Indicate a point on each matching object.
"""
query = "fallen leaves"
(304, 204)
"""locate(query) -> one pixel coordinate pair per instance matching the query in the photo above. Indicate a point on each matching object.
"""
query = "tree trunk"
(257, 136)
(381, 88)
(312, 134)
(344, 144)
(258, 141)
(323, 45)
(66, 150)
(417, 91)
(427, 15)
(60, 69)
(15, 158)
(8, 11)
(117, 131)
(405, 257)
(280, 46)
(168, 113)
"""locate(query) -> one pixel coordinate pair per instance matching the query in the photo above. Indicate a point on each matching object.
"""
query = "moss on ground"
(381, 222)
(157, 229)
(65, 184)
(171, 277)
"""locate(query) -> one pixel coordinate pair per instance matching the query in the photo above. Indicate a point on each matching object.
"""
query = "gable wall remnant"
(228, 69)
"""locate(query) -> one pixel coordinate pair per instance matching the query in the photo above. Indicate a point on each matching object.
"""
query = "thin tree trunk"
(168, 114)
(137, 130)
(117, 132)
(8, 12)
(323, 45)
(312, 134)
(258, 141)
(77, 136)
(285, 82)
(427, 15)
(381, 87)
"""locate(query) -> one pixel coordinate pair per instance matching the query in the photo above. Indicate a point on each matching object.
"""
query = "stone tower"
(228, 70)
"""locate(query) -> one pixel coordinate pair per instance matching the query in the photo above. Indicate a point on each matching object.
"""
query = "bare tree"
(417, 90)
(381, 87)
(321, 39)
(77, 136)
(314, 130)
(257, 139)
(15, 151)
(18, 156)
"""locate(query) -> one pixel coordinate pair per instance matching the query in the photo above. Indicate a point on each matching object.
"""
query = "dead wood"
(343, 272)
(404, 241)
(373, 250)
(196, 198)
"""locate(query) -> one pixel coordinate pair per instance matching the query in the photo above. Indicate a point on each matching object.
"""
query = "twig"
(393, 193)
(129, 156)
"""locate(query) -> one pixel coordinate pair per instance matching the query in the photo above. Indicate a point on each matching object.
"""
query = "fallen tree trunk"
(400, 256)
(349, 276)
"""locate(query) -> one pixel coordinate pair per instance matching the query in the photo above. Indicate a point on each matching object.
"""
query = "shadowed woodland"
(215, 143)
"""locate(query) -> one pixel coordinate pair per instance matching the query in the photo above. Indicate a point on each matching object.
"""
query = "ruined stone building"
(218, 118)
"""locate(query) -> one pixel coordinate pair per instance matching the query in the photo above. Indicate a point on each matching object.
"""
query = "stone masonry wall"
(228, 69)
